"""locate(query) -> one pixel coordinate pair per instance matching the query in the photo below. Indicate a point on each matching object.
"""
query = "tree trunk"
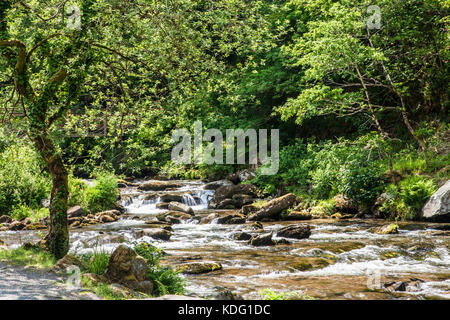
(57, 239)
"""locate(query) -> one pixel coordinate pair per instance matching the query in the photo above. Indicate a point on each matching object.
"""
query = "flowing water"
(341, 260)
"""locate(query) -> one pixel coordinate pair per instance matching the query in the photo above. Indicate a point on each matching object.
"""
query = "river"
(342, 259)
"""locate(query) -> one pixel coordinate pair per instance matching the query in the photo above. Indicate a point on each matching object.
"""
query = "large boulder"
(5, 219)
(273, 208)
(158, 185)
(227, 192)
(127, 268)
(438, 206)
(67, 261)
(178, 206)
(241, 176)
(217, 184)
(298, 215)
(156, 233)
(171, 196)
(231, 219)
(226, 204)
(242, 199)
(345, 205)
(262, 240)
(295, 231)
(76, 211)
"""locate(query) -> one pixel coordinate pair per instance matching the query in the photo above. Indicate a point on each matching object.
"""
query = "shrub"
(22, 182)
(77, 193)
(407, 199)
(103, 195)
(360, 182)
(21, 212)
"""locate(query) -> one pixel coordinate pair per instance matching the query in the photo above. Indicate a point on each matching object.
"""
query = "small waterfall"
(189, 200)
(152, 201)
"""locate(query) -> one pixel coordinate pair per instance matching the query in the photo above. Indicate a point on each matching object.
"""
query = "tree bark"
(57, 239)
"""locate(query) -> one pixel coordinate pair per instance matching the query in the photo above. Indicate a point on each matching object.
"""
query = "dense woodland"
(361, 111)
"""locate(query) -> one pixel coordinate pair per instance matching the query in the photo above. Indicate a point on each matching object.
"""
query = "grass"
(103, 290)
(268, 294)
(96, 262)
(28, 257)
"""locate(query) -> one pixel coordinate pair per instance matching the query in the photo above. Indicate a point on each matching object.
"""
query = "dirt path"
(19, 283)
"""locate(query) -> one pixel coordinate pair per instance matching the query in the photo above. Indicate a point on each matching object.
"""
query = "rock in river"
(178, 206)
(199, 267)
(158, 185)
(295, 231)
(157, 234)
(217, 184)
(227, 192)
(231, 219)
(262, 240)
(387, 229)
(273, 208)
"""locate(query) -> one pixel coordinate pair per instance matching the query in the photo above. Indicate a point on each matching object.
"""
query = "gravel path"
(19, 283)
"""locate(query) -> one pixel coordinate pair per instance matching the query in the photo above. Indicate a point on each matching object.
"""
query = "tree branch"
(37, 45)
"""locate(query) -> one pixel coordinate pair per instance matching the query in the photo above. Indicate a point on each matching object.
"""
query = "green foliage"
(96, 262)
(416, 190)
(21, 212)
(166, 280)
(103, 195)
(407, 199)
(268, 294)
(321, 170)
(360, 182)
(22, 182)
(77, 193)
(149, 252)
(103, 290)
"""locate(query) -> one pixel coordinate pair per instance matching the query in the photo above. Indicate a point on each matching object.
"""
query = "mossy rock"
(389, 255)
(297, 215)
(311, 263)
(387, 229)
(341, 247)
(199, 267)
